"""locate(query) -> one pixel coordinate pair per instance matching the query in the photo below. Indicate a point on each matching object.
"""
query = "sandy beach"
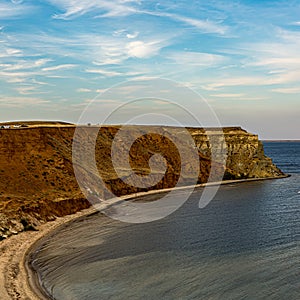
(17, 281)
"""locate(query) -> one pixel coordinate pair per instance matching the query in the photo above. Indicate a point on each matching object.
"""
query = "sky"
(242, 58)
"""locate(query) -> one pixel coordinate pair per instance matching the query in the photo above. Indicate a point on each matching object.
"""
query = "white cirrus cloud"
(218, 83)
(205, 26)
(197, 58)
(282, 54)
(108, 61)
(59, 67)
(77, 8)
(120, 8)
(11, 75)
(104, 72)
(10, 101)
(15, 10)
(83, 90)
(292, 90)
(228, 95)
(26, 90)
(10, 52)
(132, 35)
(140, 49)
(23, 64)
(101, 91)
(271, 79)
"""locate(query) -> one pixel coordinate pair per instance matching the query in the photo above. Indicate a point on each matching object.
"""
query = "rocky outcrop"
(37, 181)
(245, 153)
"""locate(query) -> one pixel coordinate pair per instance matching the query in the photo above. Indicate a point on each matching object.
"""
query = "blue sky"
(243, 56)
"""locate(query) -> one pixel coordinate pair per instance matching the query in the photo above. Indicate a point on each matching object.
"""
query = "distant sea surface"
(244, 245)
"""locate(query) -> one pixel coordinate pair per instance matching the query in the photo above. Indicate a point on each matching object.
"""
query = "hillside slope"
(37, 181)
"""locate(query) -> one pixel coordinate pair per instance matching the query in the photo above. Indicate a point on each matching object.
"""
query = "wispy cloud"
(276, 62)
(120, 8)
(25, 64)
(26, 90)
(101, 90)
(96, 49)
(19, 76)
(142, 49)
(40, 82)
(228, 95)
(196, 58)
(108, 61)
(59, 67)
(83, 90)
(19, 69)
(132, 35)
(104, 72)
(205, 26)
(30, 89)
(128, 90)
(77, 8)
(11, 10)
(292, 90)
(10, 52)
(279, 59)
(281, 78)
(218, 83)
(9, 101)
(267, 80)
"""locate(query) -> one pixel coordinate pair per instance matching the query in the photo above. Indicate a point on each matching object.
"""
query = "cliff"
(37, 181)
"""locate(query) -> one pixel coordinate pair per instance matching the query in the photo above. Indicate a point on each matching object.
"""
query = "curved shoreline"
(19, 281)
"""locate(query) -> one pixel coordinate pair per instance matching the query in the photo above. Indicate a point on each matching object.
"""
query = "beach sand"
(16, 281)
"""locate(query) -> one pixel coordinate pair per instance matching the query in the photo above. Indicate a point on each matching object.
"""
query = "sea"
(245, 244)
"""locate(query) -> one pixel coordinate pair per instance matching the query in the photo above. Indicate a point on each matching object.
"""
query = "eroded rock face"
(37, 181)
(245, 154)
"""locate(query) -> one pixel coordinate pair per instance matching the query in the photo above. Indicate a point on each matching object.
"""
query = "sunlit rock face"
(37, 181)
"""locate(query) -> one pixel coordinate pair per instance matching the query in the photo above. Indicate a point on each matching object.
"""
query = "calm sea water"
(244, 245)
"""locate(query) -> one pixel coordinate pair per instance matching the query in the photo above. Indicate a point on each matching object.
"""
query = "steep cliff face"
(37, 181)
(245, 153)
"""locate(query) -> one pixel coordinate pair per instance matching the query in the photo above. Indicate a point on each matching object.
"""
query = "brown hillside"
(37, 181)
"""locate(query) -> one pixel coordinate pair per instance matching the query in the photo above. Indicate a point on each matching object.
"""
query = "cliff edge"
(37, 182)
